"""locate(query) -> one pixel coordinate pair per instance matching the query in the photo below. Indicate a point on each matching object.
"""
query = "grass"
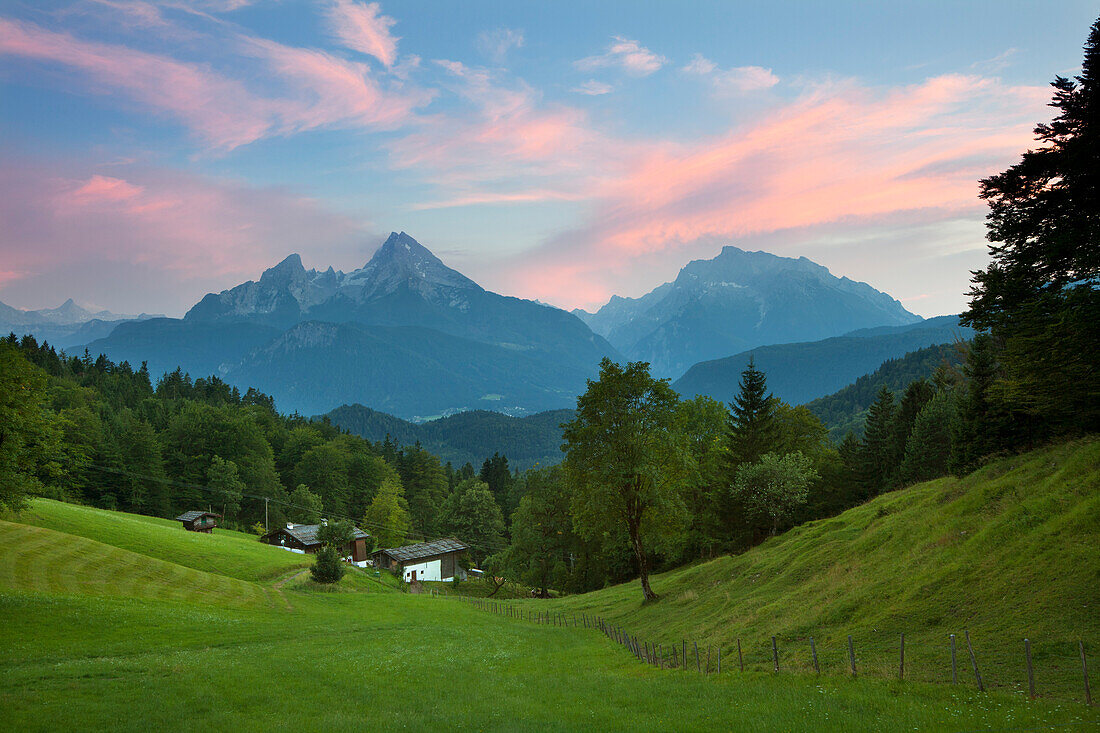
(101, 636)
(1006, 553)
(225, 552)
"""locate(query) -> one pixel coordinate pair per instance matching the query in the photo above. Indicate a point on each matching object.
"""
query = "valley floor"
(114, 637)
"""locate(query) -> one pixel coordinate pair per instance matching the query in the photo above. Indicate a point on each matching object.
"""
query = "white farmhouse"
(435, 560)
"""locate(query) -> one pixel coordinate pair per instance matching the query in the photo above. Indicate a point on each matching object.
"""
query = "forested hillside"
(845, 411)
(467, 437)
(92, 431)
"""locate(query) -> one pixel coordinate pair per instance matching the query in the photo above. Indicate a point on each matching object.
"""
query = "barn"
(435, 560)
(303, 538)
(199, 521)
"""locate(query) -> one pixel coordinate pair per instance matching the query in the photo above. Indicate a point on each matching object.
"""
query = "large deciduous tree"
(773, 489)
(1039, 296)
(472, 514)
(627, 460)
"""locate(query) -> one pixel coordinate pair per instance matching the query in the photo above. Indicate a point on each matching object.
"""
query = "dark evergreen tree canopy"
(752, 418)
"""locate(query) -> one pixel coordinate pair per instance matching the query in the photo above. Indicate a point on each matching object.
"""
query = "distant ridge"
(64, 326)
(800, 372)
(468, 437)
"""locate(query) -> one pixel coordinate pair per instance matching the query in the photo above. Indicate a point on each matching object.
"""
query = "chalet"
(303, 538)
(199, 521)
(436, 560)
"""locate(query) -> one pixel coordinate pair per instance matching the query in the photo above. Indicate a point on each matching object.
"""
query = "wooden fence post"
(740, 658)
(973, 661)
(813, 652)
(851, 655)
(775, 654)
(698, 664)
(954, 664)
(901, 663)
(1030, 674)
(1085, 671)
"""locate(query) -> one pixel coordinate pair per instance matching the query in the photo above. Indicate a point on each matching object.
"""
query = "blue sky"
(151, 152)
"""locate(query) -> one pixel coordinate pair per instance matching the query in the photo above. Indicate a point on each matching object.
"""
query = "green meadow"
(1008, 552)
(119, 622)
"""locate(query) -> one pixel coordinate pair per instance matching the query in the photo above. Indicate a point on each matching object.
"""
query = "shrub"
(328, 567)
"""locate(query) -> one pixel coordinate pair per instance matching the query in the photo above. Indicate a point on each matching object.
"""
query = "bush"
(328, 567)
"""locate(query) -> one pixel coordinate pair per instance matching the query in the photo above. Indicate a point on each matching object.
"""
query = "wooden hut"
(199, 521)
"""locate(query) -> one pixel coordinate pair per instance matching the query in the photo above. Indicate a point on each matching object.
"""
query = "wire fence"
(1056, 669)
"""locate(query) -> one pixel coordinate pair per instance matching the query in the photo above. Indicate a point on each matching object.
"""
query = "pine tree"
(752, 418)
(917, 395)
(929, 448)
(877, 453)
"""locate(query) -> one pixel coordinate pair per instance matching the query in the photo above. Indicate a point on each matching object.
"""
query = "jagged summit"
(402, 261)
(289, 267)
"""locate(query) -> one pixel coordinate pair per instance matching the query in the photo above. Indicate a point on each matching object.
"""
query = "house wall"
(429, 570)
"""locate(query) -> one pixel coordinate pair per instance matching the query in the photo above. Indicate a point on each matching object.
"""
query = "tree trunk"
(643, 566)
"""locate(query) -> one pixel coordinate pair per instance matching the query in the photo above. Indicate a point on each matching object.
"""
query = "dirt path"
(277, 586)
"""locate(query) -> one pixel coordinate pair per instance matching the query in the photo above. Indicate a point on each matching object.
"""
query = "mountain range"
(408, 335)
(63, 326)
(404, 333)
(737, 301)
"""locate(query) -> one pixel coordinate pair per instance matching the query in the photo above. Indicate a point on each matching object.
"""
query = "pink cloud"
(361, 27)
(220, 110)
(184, 233)
(843, 155)
(317, 89)
(630, 56)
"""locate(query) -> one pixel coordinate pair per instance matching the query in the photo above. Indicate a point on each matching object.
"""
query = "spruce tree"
(877, 453)
(928, 450)
(752, 419)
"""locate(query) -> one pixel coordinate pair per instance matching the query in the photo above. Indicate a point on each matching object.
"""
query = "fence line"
(651, 652)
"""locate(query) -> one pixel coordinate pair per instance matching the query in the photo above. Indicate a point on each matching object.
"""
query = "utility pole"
(265, 513)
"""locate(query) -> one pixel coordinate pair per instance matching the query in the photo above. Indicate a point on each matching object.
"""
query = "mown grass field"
(225, 552)
(105, 637)
(1009, 552)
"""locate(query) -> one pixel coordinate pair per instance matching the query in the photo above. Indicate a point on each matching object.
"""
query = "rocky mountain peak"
(284, 273)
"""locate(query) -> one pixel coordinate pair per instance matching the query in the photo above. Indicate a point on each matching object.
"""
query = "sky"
(151, 152)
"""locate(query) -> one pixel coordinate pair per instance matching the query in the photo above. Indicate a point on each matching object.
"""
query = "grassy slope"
(1008, 552)
(224, 551)
(139, 654)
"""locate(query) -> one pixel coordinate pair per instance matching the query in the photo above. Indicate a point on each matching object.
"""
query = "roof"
(307, 533)
(192, 516)
(425, 549)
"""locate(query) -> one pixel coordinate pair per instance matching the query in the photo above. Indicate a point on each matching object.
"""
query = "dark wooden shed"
(199, 521)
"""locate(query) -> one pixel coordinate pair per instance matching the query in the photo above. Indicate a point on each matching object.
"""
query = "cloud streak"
(843, 155)
(317, 90)
(185, 233)
(363, 28)
(627, 55)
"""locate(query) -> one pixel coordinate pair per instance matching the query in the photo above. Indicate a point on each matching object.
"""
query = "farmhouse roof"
(425, 549)
(192, 516)
(307, 533)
